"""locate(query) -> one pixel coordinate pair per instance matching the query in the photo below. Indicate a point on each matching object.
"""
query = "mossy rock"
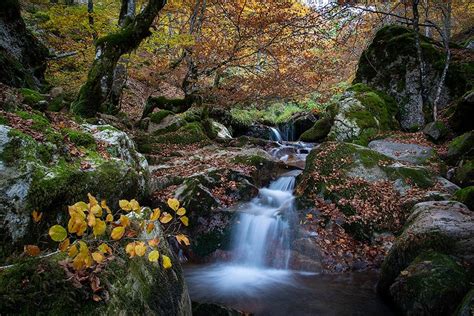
(31, 97)
(461, 147)
(464, 174)
(466, 307)
(318, 131)
(190, 133)
(80, 138)
(157, 117)
(134, 286)
(466, 196)
(433, 284)
(436, 131)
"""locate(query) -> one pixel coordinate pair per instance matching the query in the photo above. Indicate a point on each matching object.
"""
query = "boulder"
(297, 125)
(462, 147)
(466, 196)
(436, 131)
(467, 305)
(361, 113)
(259, 131)
(462, 113)
(389, 64)
(464, 173)
(433, 284)
(412, 153)
(446, 227)
(318, 131)
(42, 176)
(128, 286)
(206, 309)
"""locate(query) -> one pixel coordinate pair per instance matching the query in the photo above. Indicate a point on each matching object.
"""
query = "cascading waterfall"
(261, 238)
(275, 134)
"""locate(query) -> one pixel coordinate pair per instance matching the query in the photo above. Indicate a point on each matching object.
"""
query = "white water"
(276, 136)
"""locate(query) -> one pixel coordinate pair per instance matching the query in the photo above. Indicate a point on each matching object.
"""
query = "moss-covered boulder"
(433, 284)
(466, 307)
(462, 113)
(436, 131)
(127, 286)
(47, 175)
(466, 196)
(411, 153)
(446, 227)
(464, 173)
(318, 131)
(350, 175)
(462, 147)
(361, 113)
(390, 65)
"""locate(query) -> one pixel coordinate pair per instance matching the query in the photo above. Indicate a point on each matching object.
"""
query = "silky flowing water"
(258, 280)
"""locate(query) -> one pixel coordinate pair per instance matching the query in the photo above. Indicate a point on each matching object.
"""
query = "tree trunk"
(421, 66)
(95, 95)
(127, 11)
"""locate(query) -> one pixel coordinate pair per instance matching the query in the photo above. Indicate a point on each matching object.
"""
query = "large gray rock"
(445, 227)
(412, 153)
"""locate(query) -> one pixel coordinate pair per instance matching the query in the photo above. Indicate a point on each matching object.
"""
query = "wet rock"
(446, 227)
(433, 284)
(297, 125)
(259, 131)
(411, 153)
(207, 309)
(318, 131)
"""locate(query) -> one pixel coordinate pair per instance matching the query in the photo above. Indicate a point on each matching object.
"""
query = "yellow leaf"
(117, 233)
(80, 207)
(153, 256)
(99, 228)
(124, 220)
(154, 242)
(64, 245)
(140, 249)
(166, 262)
(77, 224)
(98, 257)
(185, 220)
(73, 251)
(96, 210)
(83, 247)
(36, 216)
(173, 204)
(104, 248)
(155, 215)
(135, 206)
(181, 211)
(166, 218)
(125, 205)
(130, 249)
(91, 219)
(309, 216)
(103, 204)
(57, 233)
(92, 200)
(149, 227)
(109, 218)
(182, 238)
(31, 250)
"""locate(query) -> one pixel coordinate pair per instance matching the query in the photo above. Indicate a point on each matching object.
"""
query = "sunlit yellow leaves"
(99, 228)
(124, 220)
(91, 220)
(181, 211)
(36, 216)
(57, 233)
(64, 245)
(150, 227)
(153, 256)
(166, 218)
(173, 204)
(31, 250)
(96, 210)
(182, 239)
(125, 205)
(92, 200)
(135, 206)
(153, 242)
(184, 220)
(77, 225)
(103, 204)
(98, 257)
(73, 251)
(155, 215)
(104, 248)
(109, 218)
(83, 259)
(136, 248)
(166, 262)
(117, 233)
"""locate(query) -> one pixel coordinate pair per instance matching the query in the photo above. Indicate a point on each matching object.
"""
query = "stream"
(257, 279)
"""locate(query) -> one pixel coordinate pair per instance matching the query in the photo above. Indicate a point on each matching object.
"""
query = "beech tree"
(95, 95)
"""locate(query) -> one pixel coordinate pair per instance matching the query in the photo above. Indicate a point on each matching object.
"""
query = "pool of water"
(264, 291)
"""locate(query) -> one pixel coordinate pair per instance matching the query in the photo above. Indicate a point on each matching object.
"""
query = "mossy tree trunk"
(96, 94)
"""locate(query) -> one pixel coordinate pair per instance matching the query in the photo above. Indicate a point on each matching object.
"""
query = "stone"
(461, 147)
(318, 131)
(436, 131)
(446, 227)
(463, 111)
(297, 124)
(207, 309)
(222, 131)
(466, 196)
(411, 153)
(467, 305)
(56, 92)
(464, 173)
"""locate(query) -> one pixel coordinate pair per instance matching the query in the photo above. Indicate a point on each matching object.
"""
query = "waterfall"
(275, 134)
(261, 238)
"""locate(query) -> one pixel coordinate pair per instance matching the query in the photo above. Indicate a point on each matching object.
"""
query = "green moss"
(318, 131)
(421, 177)
(31, 97)
(80, 138)
(464, 174)
(206, 244)
(188, 134)
(40, 122)
(461, 147)
(466, 196)
(157, 117)
(57, 104)
(3, 120)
